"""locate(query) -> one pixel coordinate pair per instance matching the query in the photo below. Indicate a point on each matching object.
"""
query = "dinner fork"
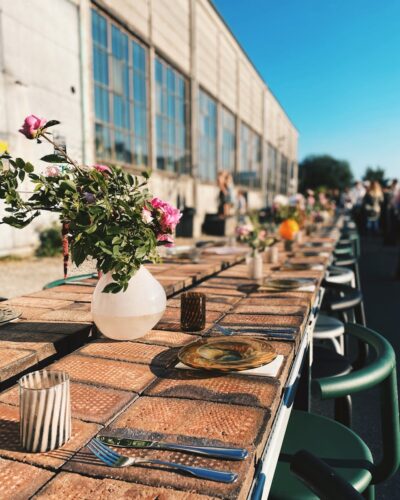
(114, 459)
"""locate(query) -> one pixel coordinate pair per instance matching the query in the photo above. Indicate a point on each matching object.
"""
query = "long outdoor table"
(56, 321)
(135, 385)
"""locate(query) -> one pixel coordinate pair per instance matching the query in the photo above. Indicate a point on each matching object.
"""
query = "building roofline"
(214, 7)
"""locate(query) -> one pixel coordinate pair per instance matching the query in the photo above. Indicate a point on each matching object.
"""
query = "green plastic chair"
(70, 279)
(336, 444)
(320, 478)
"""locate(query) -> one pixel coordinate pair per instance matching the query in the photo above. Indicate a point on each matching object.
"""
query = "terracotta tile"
(171, 320)
(73, 486)
(234, 388)
(44, 345)
(167, 338)
(266, 308)
(211, 305)
(221, 422)
(32, 312)
(82, 432)
(204, 288)
(15, 361)
(73, 289)
(45, 303)
(71, 314)
(88, 403)
(39, 327)
(260, 320)
(133, 352)
(75, 297)
(14, 483)
(107, 373)
(161, 477)
(273, 300)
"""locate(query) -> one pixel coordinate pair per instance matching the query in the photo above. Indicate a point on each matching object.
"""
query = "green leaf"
(29, 167)
(50, 123)
(91, 229)
(112, 288)
(21, 175)
(67, 185)
(53, 159)
(19, 163)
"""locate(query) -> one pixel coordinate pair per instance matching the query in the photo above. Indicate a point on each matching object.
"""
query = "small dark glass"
(193, 311)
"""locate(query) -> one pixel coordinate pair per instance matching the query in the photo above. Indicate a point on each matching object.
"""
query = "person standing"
(222, 194)
(372, 206)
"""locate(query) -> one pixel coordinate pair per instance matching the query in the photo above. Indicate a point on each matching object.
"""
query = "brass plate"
(8, 314)
(287, 283)
(225, 354)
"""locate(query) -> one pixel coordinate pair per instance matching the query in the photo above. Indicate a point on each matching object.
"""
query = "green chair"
(336, 444)
(320, 478)
(70, 279)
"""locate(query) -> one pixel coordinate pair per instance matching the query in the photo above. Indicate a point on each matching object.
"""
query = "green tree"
(324, 171)
(374, 174)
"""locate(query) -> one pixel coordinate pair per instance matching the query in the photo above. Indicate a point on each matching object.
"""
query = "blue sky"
(334, 65)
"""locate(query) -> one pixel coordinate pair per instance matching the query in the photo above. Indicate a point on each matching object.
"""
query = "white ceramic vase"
(131, 314)
(255, 266)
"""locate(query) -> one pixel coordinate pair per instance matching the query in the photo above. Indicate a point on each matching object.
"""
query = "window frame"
(130, 132)
(166, 64)
(210, 97)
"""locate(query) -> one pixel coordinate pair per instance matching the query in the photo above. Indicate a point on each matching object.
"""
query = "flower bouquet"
(107, 215)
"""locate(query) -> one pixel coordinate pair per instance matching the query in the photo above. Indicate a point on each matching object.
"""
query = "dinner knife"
(210, 451)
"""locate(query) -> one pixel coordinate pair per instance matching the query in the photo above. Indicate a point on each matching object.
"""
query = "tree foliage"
(324, 171)
(374, 174)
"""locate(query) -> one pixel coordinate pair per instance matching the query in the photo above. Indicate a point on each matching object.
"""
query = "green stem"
(63, 153)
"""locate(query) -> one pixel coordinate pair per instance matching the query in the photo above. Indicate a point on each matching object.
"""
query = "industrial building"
(160, 84)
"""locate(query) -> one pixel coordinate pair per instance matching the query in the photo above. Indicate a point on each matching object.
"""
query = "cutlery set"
(113, 459)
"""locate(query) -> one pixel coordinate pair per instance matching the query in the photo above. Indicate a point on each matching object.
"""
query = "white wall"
(39, 63)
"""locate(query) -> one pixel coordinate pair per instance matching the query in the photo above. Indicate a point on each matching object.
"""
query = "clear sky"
(334, 65)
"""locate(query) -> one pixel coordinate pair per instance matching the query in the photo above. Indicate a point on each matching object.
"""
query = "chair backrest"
(320, 478)
(380, 371)
(70, 279)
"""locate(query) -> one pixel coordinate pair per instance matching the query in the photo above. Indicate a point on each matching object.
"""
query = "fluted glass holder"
(193, 311)
(45, 410)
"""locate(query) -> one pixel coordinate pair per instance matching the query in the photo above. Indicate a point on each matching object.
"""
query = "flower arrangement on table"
(255, 236)
(108, 214)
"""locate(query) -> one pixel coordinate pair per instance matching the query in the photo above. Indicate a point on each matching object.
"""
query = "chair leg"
(369, 493)
(337, 345)
(343, 410)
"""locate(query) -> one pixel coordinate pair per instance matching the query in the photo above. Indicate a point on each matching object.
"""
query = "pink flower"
(244, 230)
(310, 201)
(31, 126)
(146, 215)
(166, 239)
(53, 171)
(102, 169)
(170, 216)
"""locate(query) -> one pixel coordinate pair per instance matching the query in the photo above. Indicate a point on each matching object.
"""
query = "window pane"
(207, 137)
(119, 70)
(171, 105)
(228, 141)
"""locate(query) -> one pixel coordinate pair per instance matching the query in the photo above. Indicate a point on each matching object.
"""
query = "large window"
(228, 125)
(120, 94)
(284, 175)
(271, 172)
(249, 170)
(171, 118)
(207, 137)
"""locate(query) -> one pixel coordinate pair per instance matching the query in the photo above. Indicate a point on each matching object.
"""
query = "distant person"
(346, 200)
(222, 194)
(372, 206)
(357, 194)
(230, 201)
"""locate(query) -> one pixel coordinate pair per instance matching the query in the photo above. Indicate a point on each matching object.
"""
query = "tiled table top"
(56, 321)
(120, 385)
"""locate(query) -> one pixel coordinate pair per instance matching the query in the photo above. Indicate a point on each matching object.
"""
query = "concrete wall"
(39, 74)
(45, 68)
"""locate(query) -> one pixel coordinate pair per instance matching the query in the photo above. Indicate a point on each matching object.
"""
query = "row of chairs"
(323, 457)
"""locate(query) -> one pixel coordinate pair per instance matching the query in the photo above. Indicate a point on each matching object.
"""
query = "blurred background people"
(372, 206)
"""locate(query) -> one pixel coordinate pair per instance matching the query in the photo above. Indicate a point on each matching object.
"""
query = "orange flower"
(288, 229)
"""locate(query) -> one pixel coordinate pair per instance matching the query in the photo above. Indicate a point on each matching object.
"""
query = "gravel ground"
(30, 274)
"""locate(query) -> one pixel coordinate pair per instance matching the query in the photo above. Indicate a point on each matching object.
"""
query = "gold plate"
(225, 354)
(7, 314)
(287, 283)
